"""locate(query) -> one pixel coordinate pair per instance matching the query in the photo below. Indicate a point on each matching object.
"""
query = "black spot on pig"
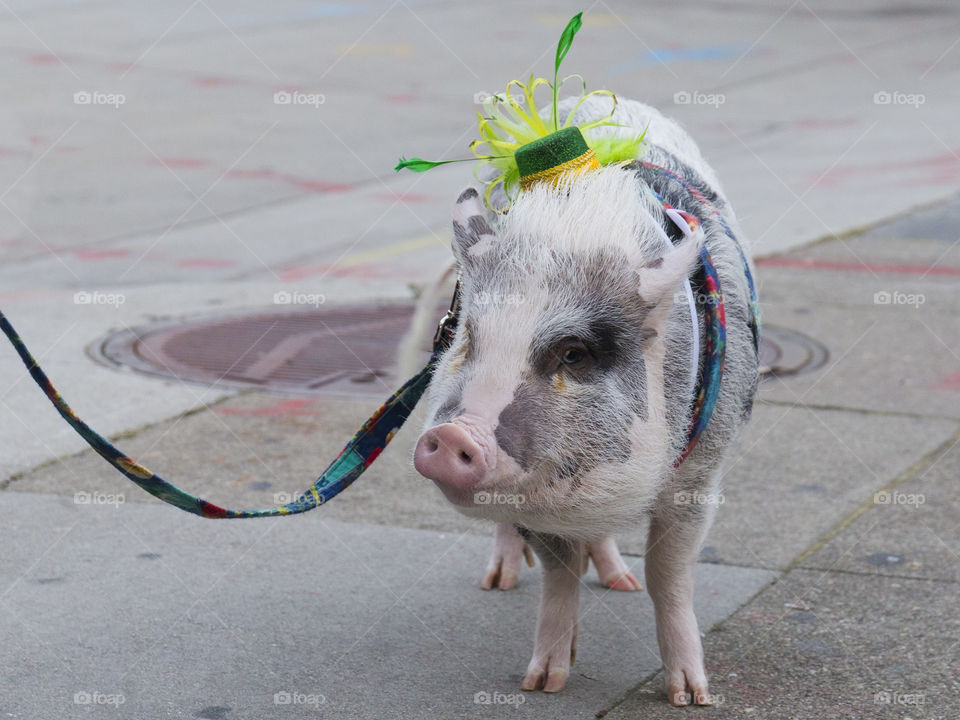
(467, 194)
(479, 226)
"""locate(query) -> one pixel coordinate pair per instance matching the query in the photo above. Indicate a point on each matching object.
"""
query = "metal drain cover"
(342, 350)
(787, 352)
(347, 349)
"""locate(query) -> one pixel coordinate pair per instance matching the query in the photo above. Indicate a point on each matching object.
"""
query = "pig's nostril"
(432, 444)
(466, 457)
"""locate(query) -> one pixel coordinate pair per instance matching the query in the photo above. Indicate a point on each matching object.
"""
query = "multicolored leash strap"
(358, 454)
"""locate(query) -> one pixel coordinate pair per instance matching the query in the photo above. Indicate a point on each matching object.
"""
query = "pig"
(563, 402)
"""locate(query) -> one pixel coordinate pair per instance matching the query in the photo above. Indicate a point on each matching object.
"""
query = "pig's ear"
(660, 276)
(472, 234)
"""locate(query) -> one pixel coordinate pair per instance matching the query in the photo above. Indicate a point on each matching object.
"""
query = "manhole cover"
(787, 352)
(347, 350)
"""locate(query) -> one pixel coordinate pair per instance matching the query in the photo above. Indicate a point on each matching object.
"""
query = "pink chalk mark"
(184, 162)
(810, 264)
(211, 263)
(940, 170)
(44, 59)
(317, 186)
(287, 407)
(100, 254)
(400, 99)
(950, 382)
(367, 271)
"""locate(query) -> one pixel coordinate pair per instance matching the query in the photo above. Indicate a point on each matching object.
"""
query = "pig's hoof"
(550, 681)
(625, 582)
(611, 568)
(685, 688)
(505, 565)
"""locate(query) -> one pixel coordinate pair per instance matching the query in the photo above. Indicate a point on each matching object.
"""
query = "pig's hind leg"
(611, 568)
(555, 646)
(506, 561)
(677, 528)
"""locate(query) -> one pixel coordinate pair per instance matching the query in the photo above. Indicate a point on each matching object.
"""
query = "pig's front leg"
(672, 545)
(555, 646)
(509, 552)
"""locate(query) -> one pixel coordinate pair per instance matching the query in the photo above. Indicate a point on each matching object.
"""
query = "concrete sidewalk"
(828, 586)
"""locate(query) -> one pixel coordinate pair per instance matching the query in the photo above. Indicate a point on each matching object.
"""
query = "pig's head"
(548, 409)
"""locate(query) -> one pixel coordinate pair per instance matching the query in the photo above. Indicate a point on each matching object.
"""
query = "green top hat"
(546, 159)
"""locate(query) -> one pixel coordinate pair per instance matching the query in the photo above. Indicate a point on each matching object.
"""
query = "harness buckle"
(448, 323)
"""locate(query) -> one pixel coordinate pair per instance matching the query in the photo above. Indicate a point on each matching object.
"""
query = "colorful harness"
(714, 316)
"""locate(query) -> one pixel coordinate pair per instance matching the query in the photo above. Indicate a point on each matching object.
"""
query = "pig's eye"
(574, 354)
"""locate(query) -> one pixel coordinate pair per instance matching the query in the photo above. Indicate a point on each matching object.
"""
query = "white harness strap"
(679, 221)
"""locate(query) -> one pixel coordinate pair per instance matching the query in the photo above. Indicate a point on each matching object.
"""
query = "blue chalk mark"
(666, 56)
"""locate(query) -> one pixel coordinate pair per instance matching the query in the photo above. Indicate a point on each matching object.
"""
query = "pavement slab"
(909, 529)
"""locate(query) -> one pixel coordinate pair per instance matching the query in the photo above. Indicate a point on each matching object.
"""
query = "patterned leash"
(357, 455)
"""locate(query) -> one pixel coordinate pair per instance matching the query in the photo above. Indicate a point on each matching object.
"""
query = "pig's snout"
(449, 456)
